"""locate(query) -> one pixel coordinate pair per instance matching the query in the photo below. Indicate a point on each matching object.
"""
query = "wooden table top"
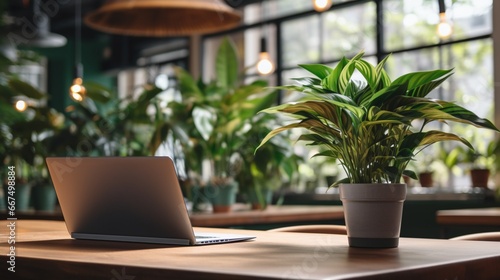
(476, 216)
(45, 248)
(240, 216)
(273, 214)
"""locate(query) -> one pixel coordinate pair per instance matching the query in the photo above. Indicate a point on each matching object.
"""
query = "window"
(348, 30)
(404, 29)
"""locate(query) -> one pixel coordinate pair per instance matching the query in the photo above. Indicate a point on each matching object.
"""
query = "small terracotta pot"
(479, 177)
(426, 180)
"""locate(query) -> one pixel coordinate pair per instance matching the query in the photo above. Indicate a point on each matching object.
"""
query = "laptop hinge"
(124, 238)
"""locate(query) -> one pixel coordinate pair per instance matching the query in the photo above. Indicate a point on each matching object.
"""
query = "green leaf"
(383, 79)
(331, 82)
(319, 70)
(226, 64)
(380, 97)
(369, 73)
(9, 115)
(144, 100)
(204, 121)
(187, 85)
(6, 93)
(425, 89)
(410, 174)
(308, 81)
(417, 79)
(98, 92)
(463, 115)
(342, 181)
(278, 130)
(23, 88)
(345, 75)
(315, 139)
(430, 137)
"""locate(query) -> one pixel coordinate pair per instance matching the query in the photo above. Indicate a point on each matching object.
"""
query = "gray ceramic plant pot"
(222, 197)
(373, 213)
(259, 198)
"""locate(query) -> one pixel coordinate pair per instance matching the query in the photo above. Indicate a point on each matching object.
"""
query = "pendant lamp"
(77, 91)
(264, 66)
(159, 18)
(36, 32)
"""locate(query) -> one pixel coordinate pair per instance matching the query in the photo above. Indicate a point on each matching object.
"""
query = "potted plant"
(447, 156)
(113, 126)
(369, 125)
(425, 171)
(480, 163)
(221, 112)
(20, 131)
(265, 170)
(49, 123)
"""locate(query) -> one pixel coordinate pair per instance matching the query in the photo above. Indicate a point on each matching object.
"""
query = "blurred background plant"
(215, 122)
(26, 122)
(223, 124)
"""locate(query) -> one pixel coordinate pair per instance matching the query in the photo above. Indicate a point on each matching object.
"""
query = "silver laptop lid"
(121, 196)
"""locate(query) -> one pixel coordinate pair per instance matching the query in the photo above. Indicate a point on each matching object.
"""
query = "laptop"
(131, 199)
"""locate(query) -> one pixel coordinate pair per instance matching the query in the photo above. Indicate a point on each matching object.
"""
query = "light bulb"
(444, 29)
(77, 91)
(322, 5)
(264, 66)
(21, 105)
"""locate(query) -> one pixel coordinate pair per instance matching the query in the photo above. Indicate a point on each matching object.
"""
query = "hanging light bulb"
(264, 66)
(322, 5)
(444, 28)
(21, 105)
(77, 91)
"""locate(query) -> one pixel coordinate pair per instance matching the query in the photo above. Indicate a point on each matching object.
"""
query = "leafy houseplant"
(369, 126)
(222, 112)
(21, 132)
(264, 171)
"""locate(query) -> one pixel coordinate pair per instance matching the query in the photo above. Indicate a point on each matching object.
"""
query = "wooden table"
(241, 216)
(44, 250)
(466, 217)
(271, 215)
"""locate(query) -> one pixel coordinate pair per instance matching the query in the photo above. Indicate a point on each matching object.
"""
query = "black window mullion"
(379, 30)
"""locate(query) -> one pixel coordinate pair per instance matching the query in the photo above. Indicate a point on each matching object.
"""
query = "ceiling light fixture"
(159, 18)
(322, 5)
(36, 33)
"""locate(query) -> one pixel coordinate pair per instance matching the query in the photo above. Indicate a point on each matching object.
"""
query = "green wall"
(61, 69)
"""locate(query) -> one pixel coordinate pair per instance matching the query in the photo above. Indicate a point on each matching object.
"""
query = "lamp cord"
(78, 35)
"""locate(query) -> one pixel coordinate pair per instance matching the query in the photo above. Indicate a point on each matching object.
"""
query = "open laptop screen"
(121, 196)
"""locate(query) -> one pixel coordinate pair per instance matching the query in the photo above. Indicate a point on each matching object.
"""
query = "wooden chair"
(482, 236)
(333, 229)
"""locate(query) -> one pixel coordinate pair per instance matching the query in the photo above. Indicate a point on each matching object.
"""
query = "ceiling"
(62, 12)
(62, 21)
